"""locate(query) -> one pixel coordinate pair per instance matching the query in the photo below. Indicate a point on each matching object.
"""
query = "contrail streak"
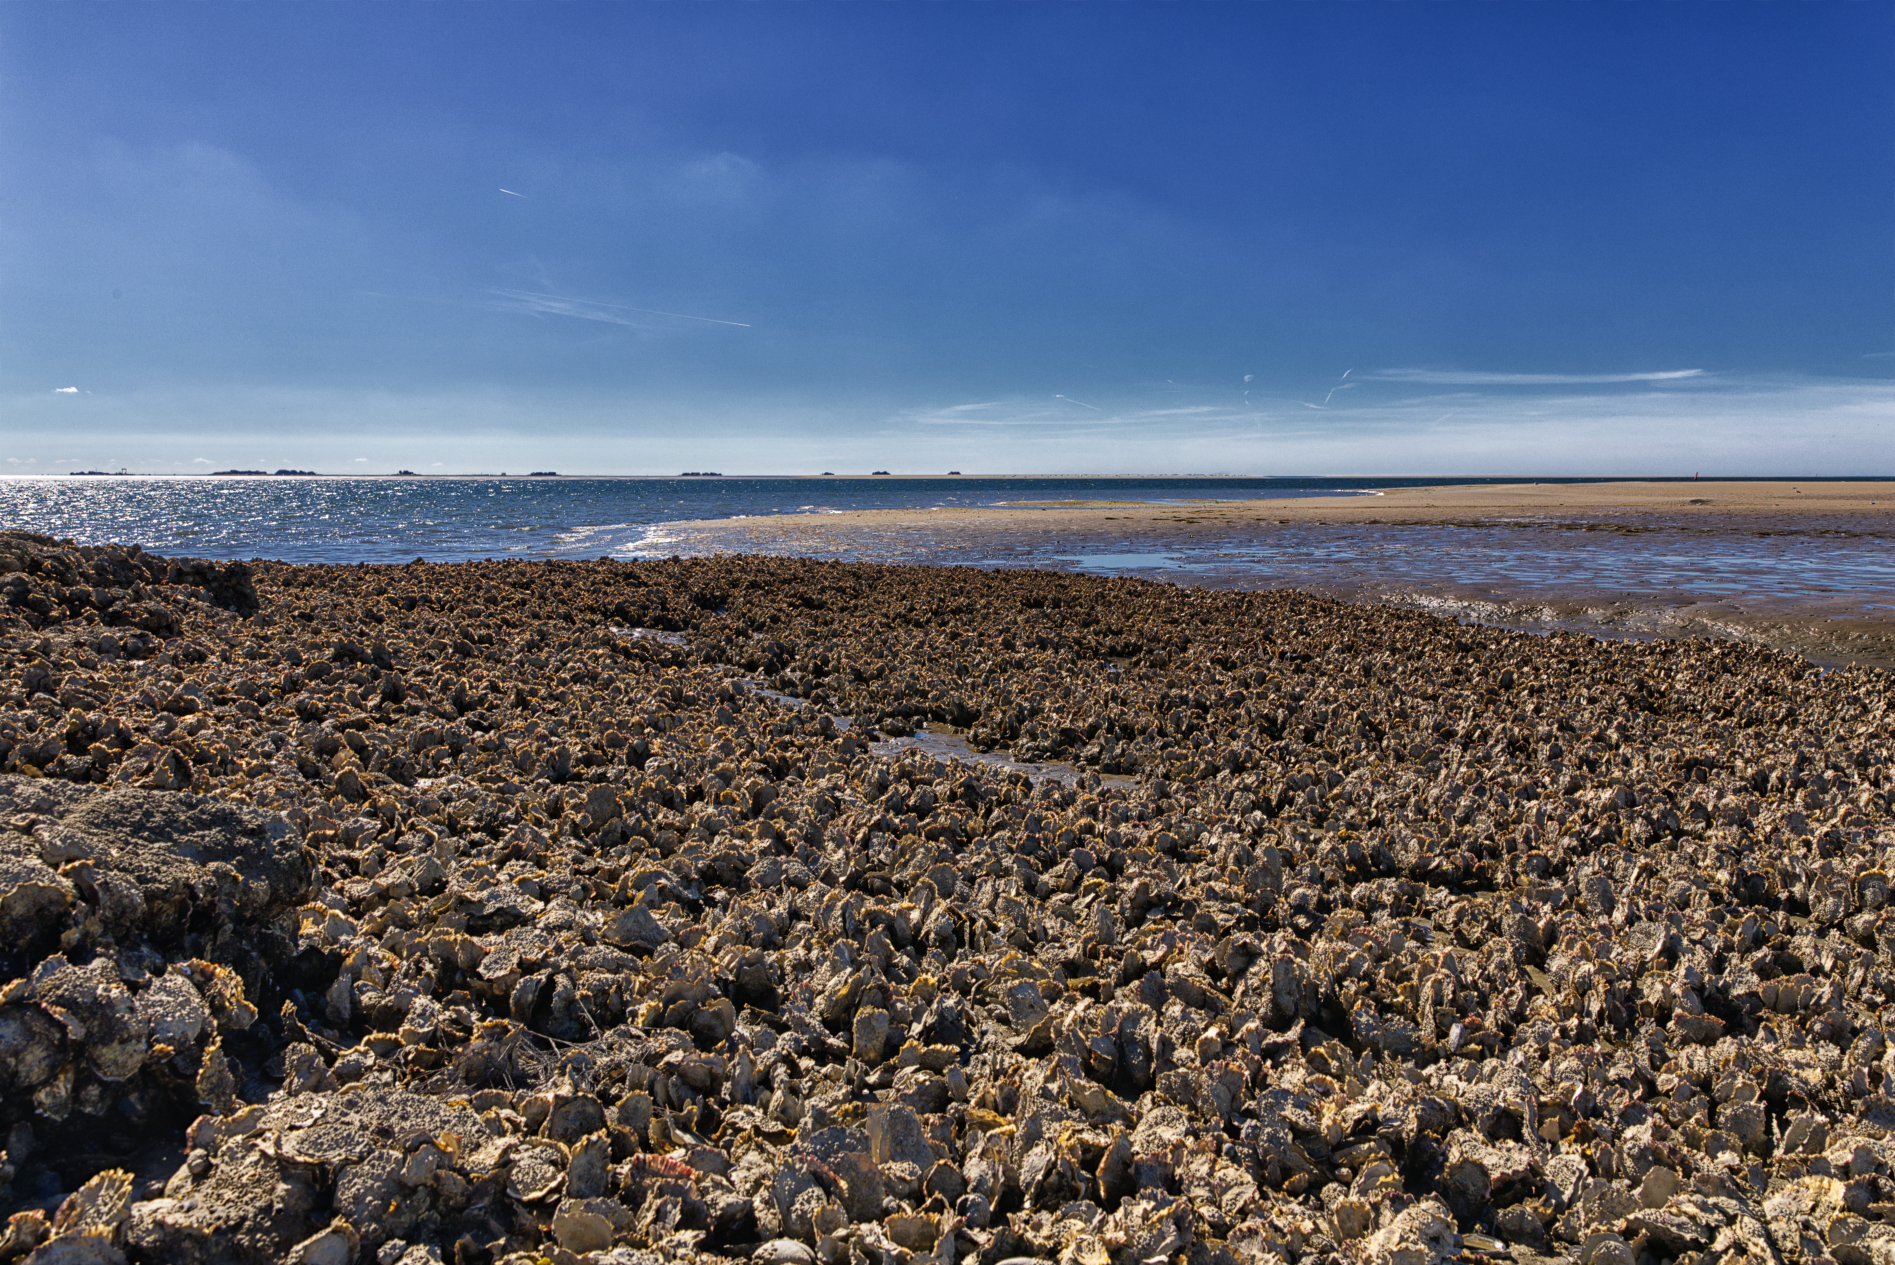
(517, 195)
(1081, 403)
(560, 305)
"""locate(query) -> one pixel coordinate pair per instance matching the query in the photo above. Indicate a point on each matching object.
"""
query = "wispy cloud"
(1463, 377)
(943, 418)
(715, 180)
(536, 303)
(1019, 412)
(65, 390)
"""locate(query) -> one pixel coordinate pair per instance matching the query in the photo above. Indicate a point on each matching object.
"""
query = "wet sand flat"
(1801, 567)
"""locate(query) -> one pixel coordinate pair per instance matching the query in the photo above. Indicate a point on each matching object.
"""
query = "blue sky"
(1387, 238)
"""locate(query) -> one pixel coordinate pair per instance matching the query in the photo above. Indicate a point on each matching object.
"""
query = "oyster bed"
(431, 914)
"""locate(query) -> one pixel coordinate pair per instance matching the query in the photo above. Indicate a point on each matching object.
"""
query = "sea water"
(454, 519)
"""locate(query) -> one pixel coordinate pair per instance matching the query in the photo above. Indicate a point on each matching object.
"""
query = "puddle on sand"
(1124, 561)
(1180, 563)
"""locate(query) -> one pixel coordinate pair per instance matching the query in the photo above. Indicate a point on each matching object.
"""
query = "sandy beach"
(1791, 565)
(1784, 501)
(1707, 497)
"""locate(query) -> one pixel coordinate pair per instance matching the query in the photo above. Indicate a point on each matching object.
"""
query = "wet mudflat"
(1822, 586)
(608, 912)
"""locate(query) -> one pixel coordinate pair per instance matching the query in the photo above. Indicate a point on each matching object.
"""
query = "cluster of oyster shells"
(607, 912)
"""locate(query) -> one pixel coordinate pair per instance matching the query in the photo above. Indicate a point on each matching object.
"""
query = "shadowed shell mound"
(45, 582)
(167, 867)
(136, 926)
(1346, 935)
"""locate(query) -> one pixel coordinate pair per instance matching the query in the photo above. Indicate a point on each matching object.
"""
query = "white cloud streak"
(534, 303)
(1460, 377)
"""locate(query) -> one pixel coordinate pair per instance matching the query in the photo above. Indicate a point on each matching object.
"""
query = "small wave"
(575, 535)
(659, 540)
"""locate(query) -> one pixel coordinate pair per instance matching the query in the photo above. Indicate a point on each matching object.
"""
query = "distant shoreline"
(1414, 482)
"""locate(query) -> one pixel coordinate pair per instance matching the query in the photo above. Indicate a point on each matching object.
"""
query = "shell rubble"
(607, 912)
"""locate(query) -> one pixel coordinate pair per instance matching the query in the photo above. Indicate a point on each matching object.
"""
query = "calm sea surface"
(453, 519)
